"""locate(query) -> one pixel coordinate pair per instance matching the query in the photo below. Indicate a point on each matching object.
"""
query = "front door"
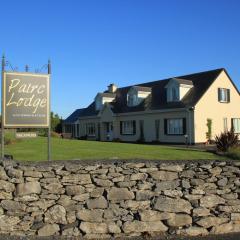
(109, 131)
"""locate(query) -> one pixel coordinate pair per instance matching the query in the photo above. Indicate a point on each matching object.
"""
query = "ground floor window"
(90, 129)
(128, 127)
(175, 126)
(236, 125)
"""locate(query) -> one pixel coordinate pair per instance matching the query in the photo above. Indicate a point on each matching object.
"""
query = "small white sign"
(26, 134)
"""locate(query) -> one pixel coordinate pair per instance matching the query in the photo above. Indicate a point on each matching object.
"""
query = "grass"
(63, 149)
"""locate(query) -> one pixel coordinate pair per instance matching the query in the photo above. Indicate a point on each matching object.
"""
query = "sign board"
(26, 134)
(25, 100)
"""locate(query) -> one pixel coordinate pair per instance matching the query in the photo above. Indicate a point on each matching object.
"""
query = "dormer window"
(177, 88)
(175, 95)
(137, 94)
(103, 98)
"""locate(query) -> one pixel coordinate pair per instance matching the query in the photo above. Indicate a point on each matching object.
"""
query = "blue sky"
(93, 43)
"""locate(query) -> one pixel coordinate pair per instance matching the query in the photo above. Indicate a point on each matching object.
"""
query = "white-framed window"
(132, 99)
(90, 129)
(175, 126)
(223, 95)
(128, 127)
(236, 125)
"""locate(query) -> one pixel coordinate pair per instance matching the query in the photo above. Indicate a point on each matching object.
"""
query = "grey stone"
(100, 202)
(3, 175)
(13, 206)
(153, 216)
(136, 205)
(194, 231)
(164, 175)
(74, 190)
(139, 226)
(173, 193)
(8, 223)
(172, 205)
(15, 173)
(93, 215)
(81, 197)
(103, 183)
(48, 230)
(179, 220)
(222, 182)
(77, 179)
(55, 188)
(28, 188)
(215, 171)
(113, 228)
(143, 195)
(88, 227)
(5, 195)
(172, 167)
(56, 214)
(138, 176)
(201, 212)
(197, 182)
(7, 186)
(211, 221)
(167, 185)
(119, 194)
(34, 174)
(211, 201)
(235, 216)
(97, 192)
(71, 232)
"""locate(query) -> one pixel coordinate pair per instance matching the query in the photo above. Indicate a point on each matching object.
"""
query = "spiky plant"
(226, 140)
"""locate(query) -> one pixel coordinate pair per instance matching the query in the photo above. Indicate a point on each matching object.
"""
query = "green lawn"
(63, 149)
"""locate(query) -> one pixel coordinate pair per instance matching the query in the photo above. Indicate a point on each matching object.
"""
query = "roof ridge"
(179, 77)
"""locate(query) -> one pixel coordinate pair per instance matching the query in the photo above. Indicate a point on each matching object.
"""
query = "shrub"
(226, 140)
(9, 137)
(209, 132)
(234, 153)
(55, 135)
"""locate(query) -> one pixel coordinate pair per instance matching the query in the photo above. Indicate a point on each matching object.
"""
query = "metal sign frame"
(48, 125)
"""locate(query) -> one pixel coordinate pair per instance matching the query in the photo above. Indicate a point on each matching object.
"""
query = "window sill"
(169, 134)
(128, 134)
(224, 101)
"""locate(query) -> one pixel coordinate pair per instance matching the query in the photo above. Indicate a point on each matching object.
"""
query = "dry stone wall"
(99, 200)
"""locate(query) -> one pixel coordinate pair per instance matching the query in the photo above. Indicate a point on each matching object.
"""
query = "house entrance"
(108, 127)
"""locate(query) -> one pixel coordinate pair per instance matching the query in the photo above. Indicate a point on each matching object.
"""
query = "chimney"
(112, 88)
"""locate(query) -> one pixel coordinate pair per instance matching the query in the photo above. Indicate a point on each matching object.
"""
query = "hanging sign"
(25, 100)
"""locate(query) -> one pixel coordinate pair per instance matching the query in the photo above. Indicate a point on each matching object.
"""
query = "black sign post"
(25, 101)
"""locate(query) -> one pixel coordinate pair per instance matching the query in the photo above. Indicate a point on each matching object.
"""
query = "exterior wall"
(149, 127)
(209, 107)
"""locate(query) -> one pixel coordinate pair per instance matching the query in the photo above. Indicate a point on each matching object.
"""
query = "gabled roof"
(74, 116)
(142, 89)
(184, 81)
(107, 94)
(157, 99)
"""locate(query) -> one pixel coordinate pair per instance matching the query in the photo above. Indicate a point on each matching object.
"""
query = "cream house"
(174, 110)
